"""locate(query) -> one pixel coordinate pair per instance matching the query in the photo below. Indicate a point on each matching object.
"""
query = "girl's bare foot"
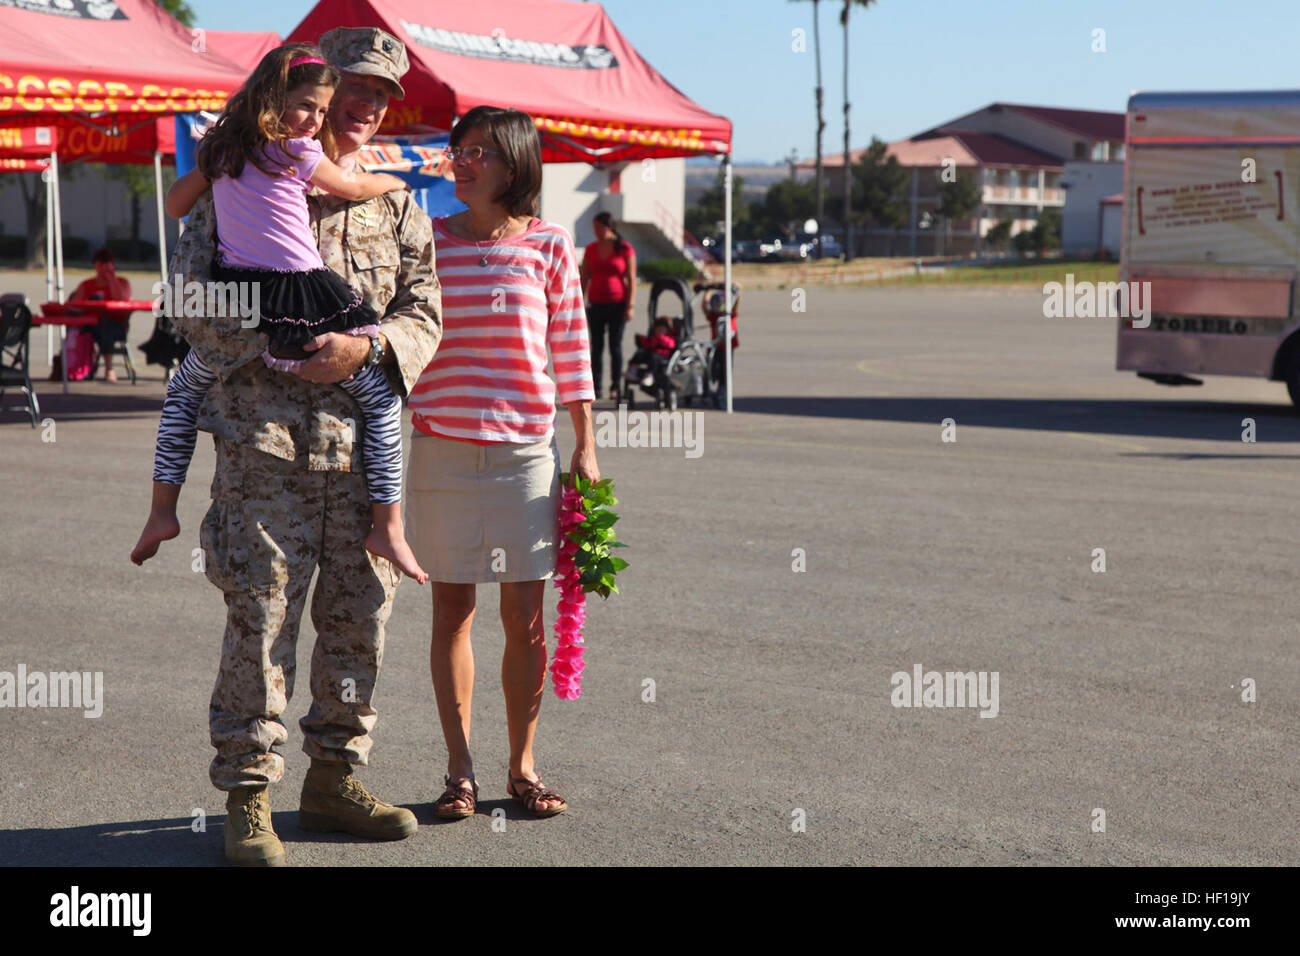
(159, 528)
(389, 542)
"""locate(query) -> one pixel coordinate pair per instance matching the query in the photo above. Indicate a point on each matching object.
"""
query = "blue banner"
(419, 160)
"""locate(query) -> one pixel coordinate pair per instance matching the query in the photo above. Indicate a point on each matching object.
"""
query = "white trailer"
(1212, 232)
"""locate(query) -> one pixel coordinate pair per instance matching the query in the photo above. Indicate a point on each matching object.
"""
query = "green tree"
(178, 9)
(784, 207)
(703, 216)
(819, 189)
(1047, 231)
(957, 198)
(138, 180)
(1046, 234)
(999, 233)
(880, 189)
(848, 180)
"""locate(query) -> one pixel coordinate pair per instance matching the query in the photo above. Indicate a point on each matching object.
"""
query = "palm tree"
(821, 117)
(848, 179)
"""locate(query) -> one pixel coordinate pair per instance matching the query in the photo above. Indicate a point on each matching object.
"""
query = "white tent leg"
(58, 228)
(58, 262)
(726, 271)
(162, 223)
(48, 178)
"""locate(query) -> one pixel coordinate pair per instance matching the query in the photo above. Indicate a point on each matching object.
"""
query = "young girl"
(653, 352)
(261, 160)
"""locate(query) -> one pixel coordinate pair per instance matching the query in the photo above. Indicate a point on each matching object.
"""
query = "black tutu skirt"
(295, 307)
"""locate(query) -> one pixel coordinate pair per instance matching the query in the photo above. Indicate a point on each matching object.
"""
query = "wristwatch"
(376, 351)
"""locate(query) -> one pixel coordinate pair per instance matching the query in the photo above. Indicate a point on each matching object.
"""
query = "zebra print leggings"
(381, 435)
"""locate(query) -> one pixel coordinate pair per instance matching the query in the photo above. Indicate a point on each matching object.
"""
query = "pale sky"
(916, 64)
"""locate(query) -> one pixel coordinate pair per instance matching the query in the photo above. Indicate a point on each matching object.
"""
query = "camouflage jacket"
(384, 248)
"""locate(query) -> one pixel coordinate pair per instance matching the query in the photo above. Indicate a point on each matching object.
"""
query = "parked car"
(830, 247)
(746, 250)
(795, 250)
(770, 248)
(785, 249)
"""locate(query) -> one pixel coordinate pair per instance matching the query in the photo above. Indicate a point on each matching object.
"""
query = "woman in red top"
(609, 288)
(106, 284)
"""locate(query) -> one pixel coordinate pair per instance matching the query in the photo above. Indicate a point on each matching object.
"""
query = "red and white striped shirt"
(488, 380)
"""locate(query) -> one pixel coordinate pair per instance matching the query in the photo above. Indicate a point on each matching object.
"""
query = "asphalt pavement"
(825, 538)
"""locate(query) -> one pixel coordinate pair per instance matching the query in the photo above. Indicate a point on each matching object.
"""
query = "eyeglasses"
(470, 154)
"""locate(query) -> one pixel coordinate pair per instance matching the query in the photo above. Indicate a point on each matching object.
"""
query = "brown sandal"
(535, 792)
(446, 808)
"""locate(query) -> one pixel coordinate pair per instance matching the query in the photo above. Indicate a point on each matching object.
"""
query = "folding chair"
(15, 329)
(119, 348)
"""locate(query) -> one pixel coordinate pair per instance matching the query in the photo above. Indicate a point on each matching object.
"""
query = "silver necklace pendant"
(482, 259)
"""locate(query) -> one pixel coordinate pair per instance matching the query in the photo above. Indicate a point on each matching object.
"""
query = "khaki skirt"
(481, 513)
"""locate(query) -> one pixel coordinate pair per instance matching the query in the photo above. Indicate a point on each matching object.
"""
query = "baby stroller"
(681, 375)
(714, 304)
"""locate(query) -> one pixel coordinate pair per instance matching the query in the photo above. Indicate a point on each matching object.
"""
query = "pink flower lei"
(582, 564)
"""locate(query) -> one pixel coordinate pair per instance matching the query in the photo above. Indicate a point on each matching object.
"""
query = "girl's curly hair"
(251, 119)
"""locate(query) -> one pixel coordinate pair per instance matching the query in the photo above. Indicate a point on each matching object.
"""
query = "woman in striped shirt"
(484, 484)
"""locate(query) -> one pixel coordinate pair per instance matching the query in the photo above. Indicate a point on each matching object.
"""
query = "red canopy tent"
(592, 96)
(136, 142)
(245, 48)
(9, 165)
(108, 130)
(27, 149)
(102, 73)
(90, 142)
(28, 144)
(119, 59)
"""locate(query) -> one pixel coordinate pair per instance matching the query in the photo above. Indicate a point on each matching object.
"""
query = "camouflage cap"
(367, 50)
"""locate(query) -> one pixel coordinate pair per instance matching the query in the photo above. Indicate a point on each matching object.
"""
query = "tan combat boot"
(334, 801)
(250, 840)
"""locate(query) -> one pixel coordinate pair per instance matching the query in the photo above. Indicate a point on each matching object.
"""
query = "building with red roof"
(1018, 155)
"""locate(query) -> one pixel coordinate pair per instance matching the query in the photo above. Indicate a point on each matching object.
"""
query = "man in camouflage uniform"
(289, 494)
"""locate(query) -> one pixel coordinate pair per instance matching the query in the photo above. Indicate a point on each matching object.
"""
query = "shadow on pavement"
(145, 842)
(81, 406)
(1209, 421)
(174, 843)
(1191, 456)
(130, 843)
(424, 812)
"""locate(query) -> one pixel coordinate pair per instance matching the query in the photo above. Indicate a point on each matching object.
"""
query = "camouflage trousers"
(271, 524)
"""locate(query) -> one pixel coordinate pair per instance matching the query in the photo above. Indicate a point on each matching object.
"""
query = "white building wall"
(654, 191)
(574, 192)
(1026, 129)
(651, 198)
(1112, 218)
(94, 208)
(1086, 185)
